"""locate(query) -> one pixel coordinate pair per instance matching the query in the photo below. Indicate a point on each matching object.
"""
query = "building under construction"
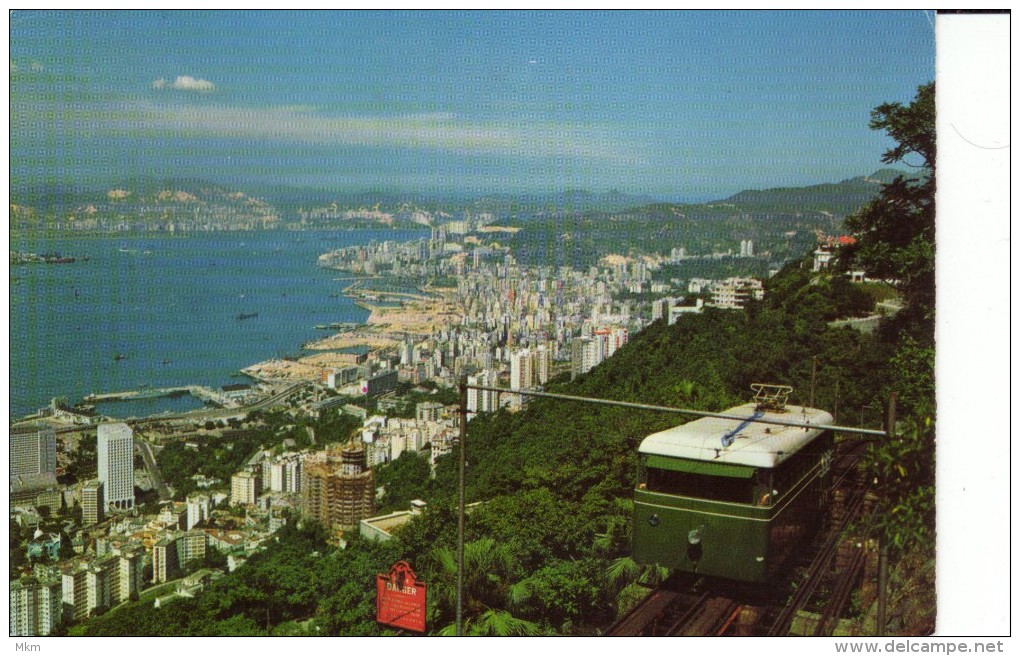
(338, 488)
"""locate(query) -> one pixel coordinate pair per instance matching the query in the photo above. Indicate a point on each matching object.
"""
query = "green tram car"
(732, 498)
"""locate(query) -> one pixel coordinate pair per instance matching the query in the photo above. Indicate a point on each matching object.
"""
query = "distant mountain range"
(149, 200)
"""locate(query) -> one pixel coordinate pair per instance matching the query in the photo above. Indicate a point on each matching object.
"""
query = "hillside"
(837, 199)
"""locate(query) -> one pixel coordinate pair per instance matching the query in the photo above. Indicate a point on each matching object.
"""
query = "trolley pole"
(460, 504)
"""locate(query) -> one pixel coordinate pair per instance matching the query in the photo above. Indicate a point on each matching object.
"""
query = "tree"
(490, 572)
(405, 479)
(895, 232)
(896, 240)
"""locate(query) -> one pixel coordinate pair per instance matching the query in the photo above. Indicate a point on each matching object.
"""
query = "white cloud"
(304, 125)
(188, 83)
(184, 83)
(438, 131)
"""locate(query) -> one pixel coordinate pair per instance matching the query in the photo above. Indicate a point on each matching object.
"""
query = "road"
(150, 465)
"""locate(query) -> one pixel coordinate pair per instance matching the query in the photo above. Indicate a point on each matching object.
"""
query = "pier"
(206, 394)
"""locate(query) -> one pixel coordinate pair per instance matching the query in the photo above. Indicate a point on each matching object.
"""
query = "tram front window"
(701, 486)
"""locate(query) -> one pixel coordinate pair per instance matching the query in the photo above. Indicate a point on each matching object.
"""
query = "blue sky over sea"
(679, 105)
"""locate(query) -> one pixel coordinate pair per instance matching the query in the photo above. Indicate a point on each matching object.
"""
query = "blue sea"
(170, 307)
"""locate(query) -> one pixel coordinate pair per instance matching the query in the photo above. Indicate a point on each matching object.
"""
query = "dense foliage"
(896, 241)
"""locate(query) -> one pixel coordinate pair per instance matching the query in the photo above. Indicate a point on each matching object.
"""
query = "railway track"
(712, 608)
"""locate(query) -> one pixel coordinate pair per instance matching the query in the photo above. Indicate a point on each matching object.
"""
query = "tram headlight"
(653, 520)
(694, 536)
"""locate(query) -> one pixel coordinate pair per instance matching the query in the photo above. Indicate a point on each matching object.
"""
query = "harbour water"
(164, 311)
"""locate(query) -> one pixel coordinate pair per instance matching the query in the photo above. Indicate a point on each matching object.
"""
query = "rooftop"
(753, 444)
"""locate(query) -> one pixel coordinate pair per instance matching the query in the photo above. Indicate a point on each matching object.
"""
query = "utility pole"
(460, 504)
(883, 557)
(814, 366)
(890, 417)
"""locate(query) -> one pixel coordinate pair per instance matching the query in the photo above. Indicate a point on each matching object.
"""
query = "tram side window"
(701, 486)
(790, 473)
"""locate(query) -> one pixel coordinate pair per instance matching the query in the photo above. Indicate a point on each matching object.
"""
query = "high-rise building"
(164, 560)
(101, 583)
(292, 479)
(278, 476)
(74, 593)
(171, 554)
(338, 488)
(93, 503)
(116, 450)
(191, 546)
(482, 400)
(33, 451)
(35, 606)
(578, 360)
(521, 375)
(542, 365)
(129, 570)
(199, 508)
(245, 487)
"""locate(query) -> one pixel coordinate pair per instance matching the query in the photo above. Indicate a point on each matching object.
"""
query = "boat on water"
(119, 357)
(243, 316)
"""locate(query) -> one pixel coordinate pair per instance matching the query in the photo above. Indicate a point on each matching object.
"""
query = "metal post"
(883, 555)
(814, 367)
(890, 418)
(835, 403)
(460, 505)
(883, 575)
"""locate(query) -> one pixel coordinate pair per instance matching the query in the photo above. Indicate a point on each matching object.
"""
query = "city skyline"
(678, 105)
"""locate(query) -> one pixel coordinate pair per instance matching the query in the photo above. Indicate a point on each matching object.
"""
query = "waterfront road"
(201, 415)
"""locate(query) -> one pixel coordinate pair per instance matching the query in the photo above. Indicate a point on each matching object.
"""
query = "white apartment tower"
(245, 487)
(521, 371)
(482, 400)
(35, 606)
(199, 509)
(116, 447)
(521, 376)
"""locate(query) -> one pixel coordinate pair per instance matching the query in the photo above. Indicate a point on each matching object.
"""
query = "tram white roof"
(754, 444)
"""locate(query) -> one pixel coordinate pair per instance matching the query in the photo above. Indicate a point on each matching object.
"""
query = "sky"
(676, 105)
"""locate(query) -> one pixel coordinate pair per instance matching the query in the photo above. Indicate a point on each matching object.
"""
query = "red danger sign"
(400, 599)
